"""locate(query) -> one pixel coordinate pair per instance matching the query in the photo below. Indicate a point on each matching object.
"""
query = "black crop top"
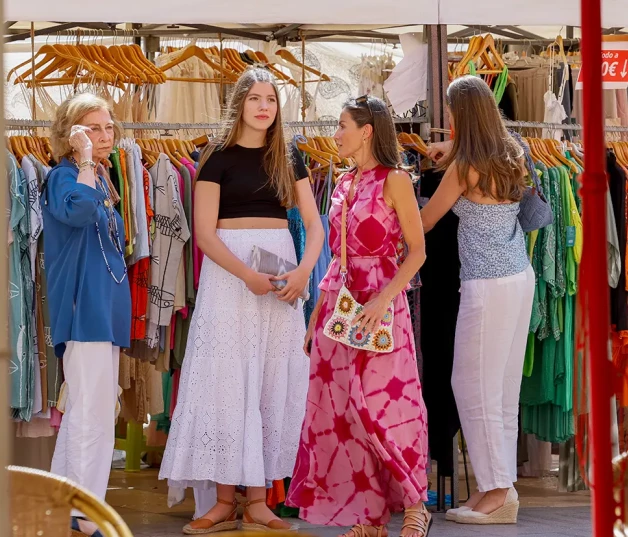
(244, 186)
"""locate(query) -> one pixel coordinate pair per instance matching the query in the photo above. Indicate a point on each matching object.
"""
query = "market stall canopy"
(329, 12)
(225, 11)
(528, 12)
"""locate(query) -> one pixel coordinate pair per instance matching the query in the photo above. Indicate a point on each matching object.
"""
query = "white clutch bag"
(268, 263)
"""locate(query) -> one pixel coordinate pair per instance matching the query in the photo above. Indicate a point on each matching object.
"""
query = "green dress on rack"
(545, 401)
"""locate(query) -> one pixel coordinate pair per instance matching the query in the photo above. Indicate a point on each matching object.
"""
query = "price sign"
(614, 63)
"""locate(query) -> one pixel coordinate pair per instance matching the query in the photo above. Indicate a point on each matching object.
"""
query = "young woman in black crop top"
(245, 375)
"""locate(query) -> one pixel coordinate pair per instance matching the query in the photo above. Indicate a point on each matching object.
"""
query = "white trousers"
(491, 336)
(84, 447)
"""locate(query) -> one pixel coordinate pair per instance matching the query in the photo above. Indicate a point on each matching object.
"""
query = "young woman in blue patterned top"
(483, 185)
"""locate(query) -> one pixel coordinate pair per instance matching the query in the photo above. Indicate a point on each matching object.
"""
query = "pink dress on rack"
(363, 448)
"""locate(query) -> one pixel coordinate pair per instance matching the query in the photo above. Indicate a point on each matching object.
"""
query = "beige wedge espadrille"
(506, 514)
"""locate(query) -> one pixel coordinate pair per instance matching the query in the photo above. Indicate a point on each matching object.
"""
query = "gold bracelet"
(87, 163)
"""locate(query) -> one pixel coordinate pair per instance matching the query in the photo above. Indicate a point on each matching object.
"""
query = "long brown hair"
(482, 143)
(277, 159)
(369, 110)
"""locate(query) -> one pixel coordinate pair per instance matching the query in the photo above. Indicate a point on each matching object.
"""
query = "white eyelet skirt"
(244, 380)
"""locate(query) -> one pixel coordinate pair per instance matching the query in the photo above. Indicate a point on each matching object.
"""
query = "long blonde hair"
(277, 160)
(482, 142)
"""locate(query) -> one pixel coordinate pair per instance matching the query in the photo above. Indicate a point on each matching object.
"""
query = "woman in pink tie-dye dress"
(363, 448)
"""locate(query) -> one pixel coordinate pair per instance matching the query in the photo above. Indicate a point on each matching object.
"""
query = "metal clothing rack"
(549, 126)
(36, 123)
(559, 126)
(30, 123)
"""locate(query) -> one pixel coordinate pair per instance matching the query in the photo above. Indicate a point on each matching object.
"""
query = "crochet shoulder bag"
(340, 325)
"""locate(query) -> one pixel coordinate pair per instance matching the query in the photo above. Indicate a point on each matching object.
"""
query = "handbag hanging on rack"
(340, 325)
(534, 210)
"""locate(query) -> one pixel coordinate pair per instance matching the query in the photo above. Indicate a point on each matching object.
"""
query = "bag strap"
(343, 242)
(529, 163)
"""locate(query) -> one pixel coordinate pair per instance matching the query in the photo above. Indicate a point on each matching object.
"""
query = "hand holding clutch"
(290, 285)
(268, 263)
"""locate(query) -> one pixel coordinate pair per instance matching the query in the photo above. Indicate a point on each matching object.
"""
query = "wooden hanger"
(491, 58)
(154, 74)
(106, 72)
(133, 73)
(93, 55)
(148, 154)
(545, 150)
(304, 145)
(289, 57)
(420, 143)
(623, 148)
(320, 160)
(180, 149)
(482, 48)
(192, 51)
(58, 58)
(18, 148)
(537, 152)
(234, 60)
(326, 144)
(555, 150)
(114, 65)
(558, 42)
(474, 44)
(165, 148)
(201, 141)
(619, 150)
(262, 58)
(34, 149)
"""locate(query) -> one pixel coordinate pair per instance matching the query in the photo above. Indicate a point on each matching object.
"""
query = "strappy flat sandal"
(418, 519)
(249, 523)
(76, 529)
(201, 526)
(361, 530)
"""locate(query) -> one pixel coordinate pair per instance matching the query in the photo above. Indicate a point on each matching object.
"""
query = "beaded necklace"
(114, 235)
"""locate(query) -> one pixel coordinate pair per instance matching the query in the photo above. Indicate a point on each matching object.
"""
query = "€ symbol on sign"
(609, 69)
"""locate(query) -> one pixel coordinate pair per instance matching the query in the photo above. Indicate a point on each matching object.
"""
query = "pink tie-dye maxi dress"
(363, 449)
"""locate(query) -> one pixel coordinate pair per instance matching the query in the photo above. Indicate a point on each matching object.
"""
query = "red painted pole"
(593, 270)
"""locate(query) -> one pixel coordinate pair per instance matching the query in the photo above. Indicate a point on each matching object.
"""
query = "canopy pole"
(223, 106)
(593, 272)
(6, 430)
(33, 101)
(303, 104)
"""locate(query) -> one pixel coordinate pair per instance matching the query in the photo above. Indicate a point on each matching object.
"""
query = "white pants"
(84, 448)
(491, 336)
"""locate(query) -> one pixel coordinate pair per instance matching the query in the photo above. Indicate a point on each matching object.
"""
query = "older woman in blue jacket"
(88, 291)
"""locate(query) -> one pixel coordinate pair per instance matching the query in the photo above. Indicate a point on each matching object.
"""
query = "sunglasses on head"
(364, 100)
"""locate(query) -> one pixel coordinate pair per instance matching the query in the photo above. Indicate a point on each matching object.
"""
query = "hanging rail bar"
(558, 126)
(29, 123)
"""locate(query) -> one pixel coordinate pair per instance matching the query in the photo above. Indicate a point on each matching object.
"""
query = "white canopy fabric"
(323, 12)
(528, 12)
(339, 12)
